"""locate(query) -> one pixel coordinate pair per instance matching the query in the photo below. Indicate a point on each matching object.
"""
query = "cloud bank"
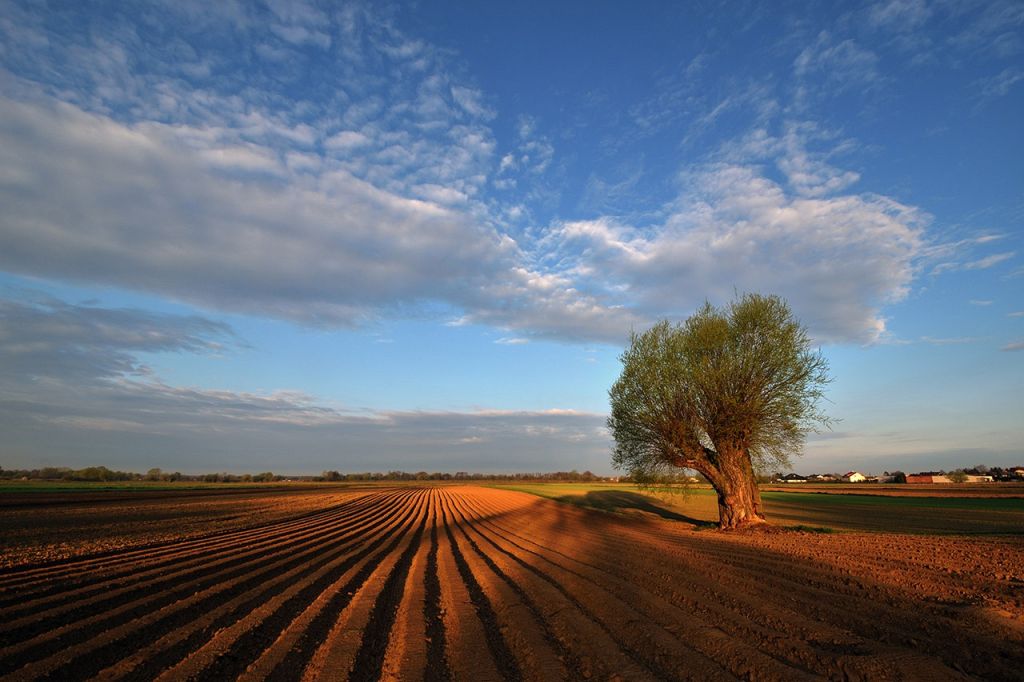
(90, 199)
(74, 391)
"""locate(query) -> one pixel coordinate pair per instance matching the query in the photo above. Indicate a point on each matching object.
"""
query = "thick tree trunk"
(740, 506)
(739, 499)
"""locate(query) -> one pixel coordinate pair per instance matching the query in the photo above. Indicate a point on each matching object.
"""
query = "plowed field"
(472, 583)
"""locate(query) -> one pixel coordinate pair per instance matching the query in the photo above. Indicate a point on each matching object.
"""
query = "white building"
(854, 477)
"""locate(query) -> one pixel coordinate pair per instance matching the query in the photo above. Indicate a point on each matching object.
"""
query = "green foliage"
(744, 377)
(958, 476)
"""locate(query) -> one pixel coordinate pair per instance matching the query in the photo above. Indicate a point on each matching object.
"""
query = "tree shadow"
(624, 501)
(845, 617)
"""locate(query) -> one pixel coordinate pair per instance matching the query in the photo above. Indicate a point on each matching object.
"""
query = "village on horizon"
(977, 474)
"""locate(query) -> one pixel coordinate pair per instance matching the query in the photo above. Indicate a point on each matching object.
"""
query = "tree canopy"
(729, 391)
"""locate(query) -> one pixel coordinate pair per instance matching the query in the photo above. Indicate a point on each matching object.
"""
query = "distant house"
(972, 478)
(821, 478)
(928, 477)
(793, 478)
(853, 477)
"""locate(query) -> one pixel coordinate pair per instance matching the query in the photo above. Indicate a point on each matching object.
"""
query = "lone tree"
(730, 391)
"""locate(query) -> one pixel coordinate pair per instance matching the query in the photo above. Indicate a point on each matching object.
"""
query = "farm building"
(927, 478)
(942, 478)
(854, 477)
(793, 478)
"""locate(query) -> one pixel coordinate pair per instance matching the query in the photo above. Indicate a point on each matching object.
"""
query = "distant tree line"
(103, 474)
(574, 476)
(67, 474)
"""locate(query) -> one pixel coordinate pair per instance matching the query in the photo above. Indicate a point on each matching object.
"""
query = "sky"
(298, 236)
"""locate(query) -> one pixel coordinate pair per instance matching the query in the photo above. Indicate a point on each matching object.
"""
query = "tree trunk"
(739, 499)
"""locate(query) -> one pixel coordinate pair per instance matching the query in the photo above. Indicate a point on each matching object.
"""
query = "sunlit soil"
(472, 583)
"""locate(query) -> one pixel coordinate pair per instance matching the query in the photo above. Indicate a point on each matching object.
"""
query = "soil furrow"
(119, 600)
(337, 654)
(24, 575)
(605, 618)
(689, 645)
(438, 669)
(463, 582)
(298, 641)
(233, 649)
(221, 586)
(540, 653)
(370, 657)
(406, 654)
(503, 658)
(749, 617)
(101, 579)
(786, 645)
(465, 641)
(192, 633)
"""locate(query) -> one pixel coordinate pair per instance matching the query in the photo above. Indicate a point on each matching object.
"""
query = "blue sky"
(301, 236)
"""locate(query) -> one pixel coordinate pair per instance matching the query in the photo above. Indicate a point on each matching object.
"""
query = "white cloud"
(508, 162)
(512, 341)
(471, 100)
(346, 139)
(371, 200)
(995, 29)
(75, 392)
(44, 339)
(837, 260)
(979, 302)
(840, 65)
(300, 35)
(152, 214)
(807, 171)
(957, 249)
(952, 341)
(989, 261)
(148, 214)
(899, 15)
(1000, 84)
(440, 195)
(1014, 346)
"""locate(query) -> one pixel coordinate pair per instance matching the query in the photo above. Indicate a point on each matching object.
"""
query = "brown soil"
(47, 526)
(476, 583)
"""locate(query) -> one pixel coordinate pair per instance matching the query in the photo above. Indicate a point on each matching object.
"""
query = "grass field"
(841, 509)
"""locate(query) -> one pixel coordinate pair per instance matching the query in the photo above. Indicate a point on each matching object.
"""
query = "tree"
(958, 476)
(729, 391)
